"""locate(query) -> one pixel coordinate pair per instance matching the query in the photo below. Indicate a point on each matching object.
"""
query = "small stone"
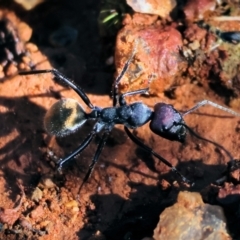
(24, 31)
(165, 184)
(44, 224)
(37, 194)
(25, 223)
(54, 206)
(195, 9)
(160, 7)
(26, 60)
(22, 66)
(190, 218)
(71, 204)
(9, 216)
(48, 183)
(2, 75)
(75, 209)
(38, 212)
(31, 47)
(27, 4)
(11, 70)
(97, 236)
(235, 175)
(194, 45)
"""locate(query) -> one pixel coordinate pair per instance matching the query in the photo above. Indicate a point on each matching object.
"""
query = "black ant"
(67, 115)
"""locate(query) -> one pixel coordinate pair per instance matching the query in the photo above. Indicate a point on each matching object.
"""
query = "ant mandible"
(67, 115)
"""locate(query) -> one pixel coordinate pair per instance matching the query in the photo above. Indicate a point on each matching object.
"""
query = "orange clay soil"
(128, 188)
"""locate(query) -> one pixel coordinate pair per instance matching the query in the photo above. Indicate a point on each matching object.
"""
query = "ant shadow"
(23, 143)
(136, 217)
(21, 129)
(83, 58)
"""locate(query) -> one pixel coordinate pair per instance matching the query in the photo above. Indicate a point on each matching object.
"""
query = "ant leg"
(122, 96)
(64, 79)
(213, 104)
(119, 77)
(95, 158)
(84, 144)
(148, 149)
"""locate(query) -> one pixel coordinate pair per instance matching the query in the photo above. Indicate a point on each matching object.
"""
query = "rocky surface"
(190, 218)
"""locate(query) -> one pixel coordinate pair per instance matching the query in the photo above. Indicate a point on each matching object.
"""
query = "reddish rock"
(194, 32)
(38, 212)
(229, 194)
(157, 59)
(161, 8)
(11, 215)
(195, 9)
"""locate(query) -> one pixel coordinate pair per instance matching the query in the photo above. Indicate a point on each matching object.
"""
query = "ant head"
(64, 117)
(167, 122)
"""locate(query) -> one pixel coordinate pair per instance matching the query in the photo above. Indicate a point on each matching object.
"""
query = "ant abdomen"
(64, 117)
(168, 123)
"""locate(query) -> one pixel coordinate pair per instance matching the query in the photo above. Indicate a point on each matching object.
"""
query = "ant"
(67, 115)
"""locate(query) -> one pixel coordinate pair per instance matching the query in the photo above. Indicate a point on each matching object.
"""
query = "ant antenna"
(208, 140)
(213, 104)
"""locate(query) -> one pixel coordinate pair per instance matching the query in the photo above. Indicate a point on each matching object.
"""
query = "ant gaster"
(67, 115)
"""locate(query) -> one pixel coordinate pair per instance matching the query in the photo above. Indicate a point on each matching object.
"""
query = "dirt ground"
(127, 190)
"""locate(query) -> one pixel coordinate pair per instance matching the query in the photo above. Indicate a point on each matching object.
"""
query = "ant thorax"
(133, 115)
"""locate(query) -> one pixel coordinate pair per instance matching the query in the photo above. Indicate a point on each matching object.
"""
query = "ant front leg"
(119, 77)
(122, 100)
(64, 79)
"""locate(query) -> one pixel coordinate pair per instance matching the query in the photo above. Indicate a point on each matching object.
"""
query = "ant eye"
(64, 117)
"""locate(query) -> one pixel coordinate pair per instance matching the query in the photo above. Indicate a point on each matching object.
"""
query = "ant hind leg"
(148, 149)
(64, 79)
(95, 159)
(96, 129)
